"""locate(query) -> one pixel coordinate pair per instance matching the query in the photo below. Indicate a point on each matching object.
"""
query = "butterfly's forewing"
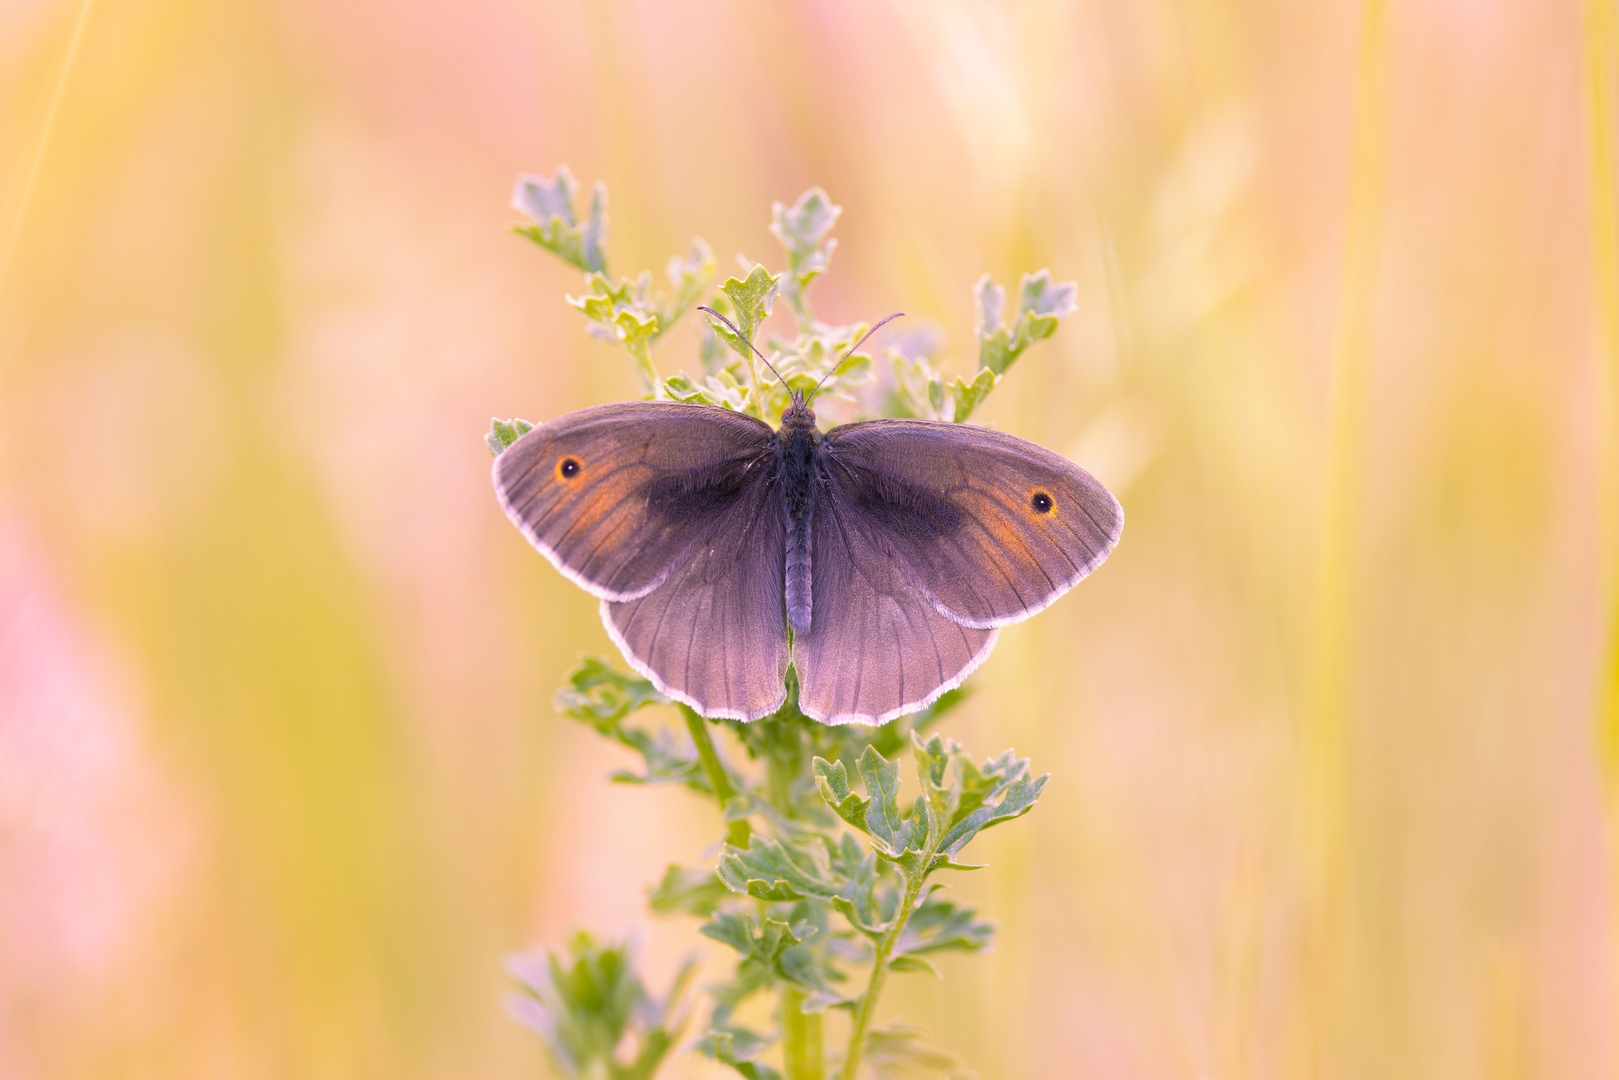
(616, 495)
(991, 527)
(876, 648)
(714, 634)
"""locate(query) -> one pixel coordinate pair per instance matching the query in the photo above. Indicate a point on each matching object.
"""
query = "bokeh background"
(280, 781)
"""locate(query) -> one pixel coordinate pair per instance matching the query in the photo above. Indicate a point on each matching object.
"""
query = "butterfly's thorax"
(797, 444)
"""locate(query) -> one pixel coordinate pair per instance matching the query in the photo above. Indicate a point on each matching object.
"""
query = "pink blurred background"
(280, 782)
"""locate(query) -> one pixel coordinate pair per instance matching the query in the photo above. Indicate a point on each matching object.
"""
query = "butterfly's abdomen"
(796, 473)
(799, 607)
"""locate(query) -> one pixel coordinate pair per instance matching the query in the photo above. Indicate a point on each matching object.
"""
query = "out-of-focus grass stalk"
(80, 21)
(1326, 734)
(1601, 54)
(1239, 968)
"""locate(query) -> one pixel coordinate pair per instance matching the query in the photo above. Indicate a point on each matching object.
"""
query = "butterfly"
(879, 558)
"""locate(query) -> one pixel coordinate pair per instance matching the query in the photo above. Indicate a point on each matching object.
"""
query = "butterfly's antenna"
(738, 333)
(880, 324)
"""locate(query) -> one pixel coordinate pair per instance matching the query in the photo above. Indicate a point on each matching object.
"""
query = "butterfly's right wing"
(876, 647)
(616, 496)
(991, 527)
(926, 537)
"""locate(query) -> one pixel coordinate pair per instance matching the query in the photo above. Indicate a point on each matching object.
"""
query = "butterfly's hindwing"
(714, 635)
(877, 648)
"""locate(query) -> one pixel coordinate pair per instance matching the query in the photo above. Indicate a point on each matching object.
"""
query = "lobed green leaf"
(897, 1050)
(809, 972)
(586, 1003)
(502, 433)
(602, 697)
(753, 941)
(878, 814)
(772, 870)
(839, 873)
(598, 693)
(752, 298)
(832, 781)
(802, 230)
(771, 952)
(990, 301)
(895, 831)
(1043, 298)
(919, 391)
(1017, 800)
(739, 1049)
(1041, 303)
(606, 302)
(941, 790)
(687, 890)
(688, 278)
(941, 925)
(968, 395)
(721, 390)
(549, 205)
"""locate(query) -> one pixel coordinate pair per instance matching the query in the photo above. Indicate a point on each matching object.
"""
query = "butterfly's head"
(798, 416)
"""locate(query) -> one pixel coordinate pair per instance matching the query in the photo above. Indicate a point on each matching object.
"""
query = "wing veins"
(1107, 534)
(848, 550)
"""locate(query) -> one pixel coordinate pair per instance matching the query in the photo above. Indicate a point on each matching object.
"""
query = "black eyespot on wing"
(1041, 503)
(568, 468)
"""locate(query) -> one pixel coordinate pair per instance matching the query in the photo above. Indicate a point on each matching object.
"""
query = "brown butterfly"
(878, 558)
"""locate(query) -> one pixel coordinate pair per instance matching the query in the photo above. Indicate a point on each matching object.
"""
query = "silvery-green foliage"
(802, 230)
(827, 878)
(596, 1018)
(921, 391)
(549, 205)
(502, 433)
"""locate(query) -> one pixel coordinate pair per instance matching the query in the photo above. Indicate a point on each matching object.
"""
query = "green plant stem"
(780, 774)
(800, 1038)
(736, 833)
(758, 389)
(640, 350)
(801, 1034)
(793, 290)
(879, 974)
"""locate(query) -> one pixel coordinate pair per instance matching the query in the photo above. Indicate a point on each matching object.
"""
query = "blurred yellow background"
(280, 781)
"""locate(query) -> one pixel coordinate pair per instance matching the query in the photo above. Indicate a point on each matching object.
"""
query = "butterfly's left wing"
(617, 495)
(991, 528)
(668, 513)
